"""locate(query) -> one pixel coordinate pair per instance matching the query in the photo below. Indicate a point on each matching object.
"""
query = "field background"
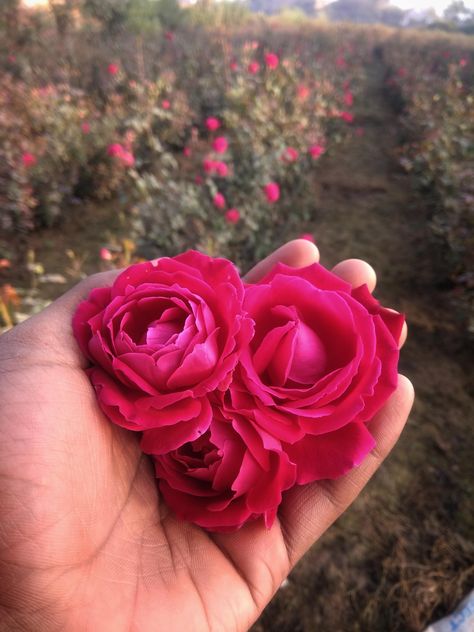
(107, 157)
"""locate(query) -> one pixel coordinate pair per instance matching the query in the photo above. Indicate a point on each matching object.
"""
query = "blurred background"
(133, 129)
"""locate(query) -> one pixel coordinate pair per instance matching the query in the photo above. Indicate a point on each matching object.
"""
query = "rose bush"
(164, 335)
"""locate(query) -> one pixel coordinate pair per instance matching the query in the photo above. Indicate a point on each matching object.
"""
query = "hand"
(86, 544)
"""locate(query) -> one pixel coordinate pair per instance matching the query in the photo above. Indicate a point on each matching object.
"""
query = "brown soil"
(403, 555)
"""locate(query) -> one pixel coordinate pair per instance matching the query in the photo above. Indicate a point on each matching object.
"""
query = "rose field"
(231, 136)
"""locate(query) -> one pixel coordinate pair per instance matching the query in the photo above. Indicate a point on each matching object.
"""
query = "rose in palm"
(322, 362)
(231, 474)
(164, 336)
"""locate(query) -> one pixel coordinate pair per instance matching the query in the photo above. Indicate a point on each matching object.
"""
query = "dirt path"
(403, 555)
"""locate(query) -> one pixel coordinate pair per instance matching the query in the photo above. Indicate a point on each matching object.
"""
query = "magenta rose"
(228, 476)
(164, 336)
(322, 362)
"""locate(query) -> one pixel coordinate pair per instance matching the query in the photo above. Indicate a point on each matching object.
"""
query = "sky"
(438, 5)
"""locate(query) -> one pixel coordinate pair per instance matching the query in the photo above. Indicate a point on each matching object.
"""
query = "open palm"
(86, 544)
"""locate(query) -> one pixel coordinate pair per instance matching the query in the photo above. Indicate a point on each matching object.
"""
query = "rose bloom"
(272, 192)
(315, 151)
(86, 127)
(232, 216)
(220, 144)
(169, 35)
(222, 169)
(187, 152)
(219, 200)
(161, 338)
(303, 92)
(212, 123)
(105, 254)
(112, 69)
(224, 478)
(271, 60)
(165, 104)
(115, 149)
(253, 67)
(28, 159)
(127, 158)
(463, 62)
(290, 154)
(322, 362)
(348, 98)
(348, 117)
(209, 165)
(234, 66)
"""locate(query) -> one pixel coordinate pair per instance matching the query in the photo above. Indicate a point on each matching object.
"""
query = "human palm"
(86, 544)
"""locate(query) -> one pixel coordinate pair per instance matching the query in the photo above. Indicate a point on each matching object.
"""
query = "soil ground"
(403, 555)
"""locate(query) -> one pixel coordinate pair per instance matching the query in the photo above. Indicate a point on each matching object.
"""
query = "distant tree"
(457, 12)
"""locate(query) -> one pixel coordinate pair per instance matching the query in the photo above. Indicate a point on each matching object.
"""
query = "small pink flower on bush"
(220, 144)
(463, 62)
(348, 117)
(198, 180)
(187, 152)
(212, 123)
(5, 263)
(253, 67)
(165, 104)
(234, 66)
(169, 35)
(208, 165)
(272, 192)
(112, 69)
(232, 216)
(127, 158)
(348, 98)
(308, 237)
(28, 159)
(315, 151)
(341, 62)
(271, 60)
(105, 254)
(290, 154)
(303, 92)
(402, 72)
(86, 127)
(219, 200)
(114, 150)
(222, 169)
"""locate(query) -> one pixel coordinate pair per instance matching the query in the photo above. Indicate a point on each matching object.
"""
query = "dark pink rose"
(272, 61)
(164, 336)
(272, 192)
(220, 144)
(212, 123)
(226, 477)
(322, 362)
(232, 216)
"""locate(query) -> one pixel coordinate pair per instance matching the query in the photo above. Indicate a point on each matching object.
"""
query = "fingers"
(308, 511)
(356, 272)
(297, 253)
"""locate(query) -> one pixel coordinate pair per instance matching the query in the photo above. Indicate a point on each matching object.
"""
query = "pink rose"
(222, 169)
(322, 362)
(219, 200)
(212, 123)
(28, 159)
(164, 336)
(224, 478)
(348, 117)
(290, 154)
(112, 69)
(232, 216)
(272, 192)
(165, 104)
(253, 67)
(348, 98)
(272, 61)
(115, 150)
(220, 144)
(315, 151)
(86, 127)
(208, 165)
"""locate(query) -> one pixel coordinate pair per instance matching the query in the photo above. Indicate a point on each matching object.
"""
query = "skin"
(86, 543)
